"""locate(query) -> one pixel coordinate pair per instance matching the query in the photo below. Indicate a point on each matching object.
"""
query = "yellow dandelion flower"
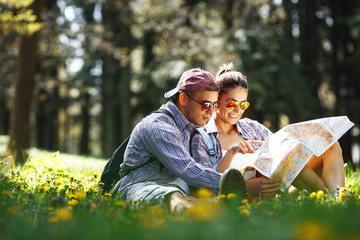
(157, 211)
(108, 194)
(50, 208)
(272, 213)
(53, 219)
(73, 202)
(72, 196)
(204, 193)
(95, 175)
(310, 230)
(244, 201)
(72, 178)
(61, 214)
(93, 205)
(221, 196)
(357, 196)
(71, 188)
(343, 190)
(231, 195)
(135, 200)
(80, 195)
(7, 193)
(101, 183)
(58, 182)
(241, 207)
(152, 221)
(42, 188)
(342, 196)
(48, 180)
(313, 195)
(201, 212)
(120, 204)
(105, 198)
(320, 195)
(13, 210)
(245, 212)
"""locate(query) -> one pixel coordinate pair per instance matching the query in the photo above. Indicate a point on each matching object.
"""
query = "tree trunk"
(116, 79)
(4, 117)
(345, 68)
(24, 85)
(85, 117)
(309, 52)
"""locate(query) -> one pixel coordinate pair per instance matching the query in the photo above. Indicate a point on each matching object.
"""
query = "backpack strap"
(164, 111)
(122, 172)
(209, 145)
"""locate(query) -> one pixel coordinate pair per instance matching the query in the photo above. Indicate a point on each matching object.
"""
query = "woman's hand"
(263, 186)
(241, 147)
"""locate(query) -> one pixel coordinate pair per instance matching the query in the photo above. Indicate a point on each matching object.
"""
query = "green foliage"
(45, 200)
(15, 17)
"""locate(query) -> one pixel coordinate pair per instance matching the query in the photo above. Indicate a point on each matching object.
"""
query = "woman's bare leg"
(326, 170)
(330, 167)
(309, 180)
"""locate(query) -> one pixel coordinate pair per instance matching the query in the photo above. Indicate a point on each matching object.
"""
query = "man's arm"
(165, 141)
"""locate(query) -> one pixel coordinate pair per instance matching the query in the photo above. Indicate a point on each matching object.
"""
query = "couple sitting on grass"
(183, 163)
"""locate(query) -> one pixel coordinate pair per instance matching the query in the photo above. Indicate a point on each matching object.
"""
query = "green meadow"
(58, 196)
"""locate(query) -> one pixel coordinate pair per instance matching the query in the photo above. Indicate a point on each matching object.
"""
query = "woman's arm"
(240, 147)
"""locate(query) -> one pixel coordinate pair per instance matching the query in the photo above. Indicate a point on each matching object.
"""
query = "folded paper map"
(285, 153)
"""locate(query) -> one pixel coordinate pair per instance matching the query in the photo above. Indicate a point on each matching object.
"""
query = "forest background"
(76, 76)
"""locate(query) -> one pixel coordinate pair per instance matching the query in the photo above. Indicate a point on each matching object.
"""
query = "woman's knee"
(337, 147)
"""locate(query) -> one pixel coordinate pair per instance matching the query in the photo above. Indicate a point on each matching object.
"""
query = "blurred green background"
(76, 76)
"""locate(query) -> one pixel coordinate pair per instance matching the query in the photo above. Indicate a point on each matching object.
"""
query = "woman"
(231, 135)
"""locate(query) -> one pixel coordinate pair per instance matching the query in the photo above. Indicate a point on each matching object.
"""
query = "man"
(166, 180)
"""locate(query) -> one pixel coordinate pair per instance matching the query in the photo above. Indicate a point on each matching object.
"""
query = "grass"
(57, 196)
(73, 162)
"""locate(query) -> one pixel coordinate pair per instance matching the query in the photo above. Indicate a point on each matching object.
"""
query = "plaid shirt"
(159, 136)
(247, 128)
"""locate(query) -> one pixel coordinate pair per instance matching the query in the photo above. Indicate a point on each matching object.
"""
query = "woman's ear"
(182, 99)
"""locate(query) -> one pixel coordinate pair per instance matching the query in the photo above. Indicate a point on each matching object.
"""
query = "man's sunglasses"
(234, 104)
(205, 106)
